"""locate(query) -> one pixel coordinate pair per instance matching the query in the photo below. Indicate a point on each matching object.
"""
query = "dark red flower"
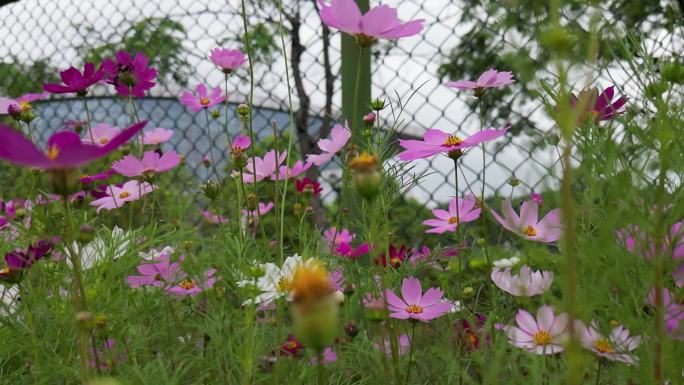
(600, 105)
(396, 257)
(471, 334)
(291, 347)
(74, 81)
(307, 186)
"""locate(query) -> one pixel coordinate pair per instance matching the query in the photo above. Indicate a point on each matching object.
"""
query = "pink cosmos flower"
(213, 218)
(489, 79)
(76, 82)
(678, 275)
(118, 196)
(449, 220)
(538, 198)
(157, 136)
(615, 348)
(380, 22)
(241, 143)
(337, 237)
(415, 304)
(101, 134)
(386, 345)
(674, 313)
(151, 163)
(336, 280)
(526, 283)
(544, 335)
(22, 103)
(264, 167)
(64, 148)
(329, 356)
(158, 274)
(339, 136)
(202, 98)
(436, 141)
(285, 172)
(369, 118)
(346, 250)
(193, 286)
(264, 208)
(637, 240)
(527, 225)
(227, 60)
(129, 75)
(87, 179)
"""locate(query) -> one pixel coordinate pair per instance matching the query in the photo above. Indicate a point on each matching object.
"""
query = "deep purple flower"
(75, 81)
(64, 150)
(129, 75)
(599, 106)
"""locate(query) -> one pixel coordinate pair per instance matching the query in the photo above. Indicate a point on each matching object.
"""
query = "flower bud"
(478, 264)
(614, 323)
(366, 175)
(251, 201)
(101, 321)
(243, 111)
(65, 182)
(364, 41)
(513, 181)
(369, 118)
(215, 114)
(455, 154)
(240, 159)
(206, 162)
(256, 272)
(349, 289)
(468, 292)
(85, 321)
(378, 104)
(297, 208)
(351, 328)
(557, 39)
(85, 234)
(211, 189)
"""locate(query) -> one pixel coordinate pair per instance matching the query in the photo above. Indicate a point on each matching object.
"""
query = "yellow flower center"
(452, 140)
(187, 284)
(453, 220)
(284, 285)
(291, 345)
(394, 261)
(310, 282)
(124, 194)
(603, 346)
(204, 101)
(104, 140)
(364, 162)
(5, 271)
(52, 152)
(414, 309)
(542, 338)
(530, 231)
(25, 106)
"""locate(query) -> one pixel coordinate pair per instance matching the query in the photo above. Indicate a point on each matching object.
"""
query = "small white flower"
(276, 281)
(155, 254)
(100, 249)
(506, 262)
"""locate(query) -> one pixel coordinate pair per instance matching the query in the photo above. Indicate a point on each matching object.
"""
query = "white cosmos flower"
(101, 249)
(155, 254)
(506, 262)
(276, 281)
(9, 299)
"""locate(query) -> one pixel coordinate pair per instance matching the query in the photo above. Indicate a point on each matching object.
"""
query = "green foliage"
(19, 79)
(161, 39)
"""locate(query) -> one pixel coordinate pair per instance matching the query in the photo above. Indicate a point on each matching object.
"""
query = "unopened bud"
(206, 162)
(215, 114)
(468, 292)
(351, 328)
(349, 289)
(378, 104)
(243, 111)
(101, 321)
(211, 189)
(85, 320)
(256, 272)
(251, 201)
(369, 118)
(513, 181)
(85, 234)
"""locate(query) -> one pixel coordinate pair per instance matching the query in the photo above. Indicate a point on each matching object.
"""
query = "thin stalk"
(598, 371)
(408, 370)
(357, 87)
(211, 144)
(225, 111)
(458, 218)
(90, 130)
(136, 118)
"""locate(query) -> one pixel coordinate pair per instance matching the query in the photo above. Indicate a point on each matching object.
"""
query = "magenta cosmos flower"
(151, 163)
(489, 79)
(348, 251)
(380, 22)
(414, 304)
(599, 105)
(526, 283)
(116, 197)
(263, 209)
(64, 148)
(260, 169)
(101, 134)
(157, 136)
(202, 98)
(213, 218)
(241, 143)
(129, 75)
(20, 104)
(437, 141)
(339, 136)
(449, 220)
(544, 335)
(228, 60)
(615, 348)
(674, 313)
(527, 225)
(76, 82)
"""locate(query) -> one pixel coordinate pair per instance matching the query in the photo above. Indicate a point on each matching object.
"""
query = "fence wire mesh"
(40, 37)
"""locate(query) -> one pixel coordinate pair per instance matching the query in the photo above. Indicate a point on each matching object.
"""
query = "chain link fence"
(40, 37)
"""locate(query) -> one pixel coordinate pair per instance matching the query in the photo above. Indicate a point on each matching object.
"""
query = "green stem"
(136, 117)
(357, 87)
(225, 111)
(211, 144)
(87, 111)
(411, 342)
(598, 371)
